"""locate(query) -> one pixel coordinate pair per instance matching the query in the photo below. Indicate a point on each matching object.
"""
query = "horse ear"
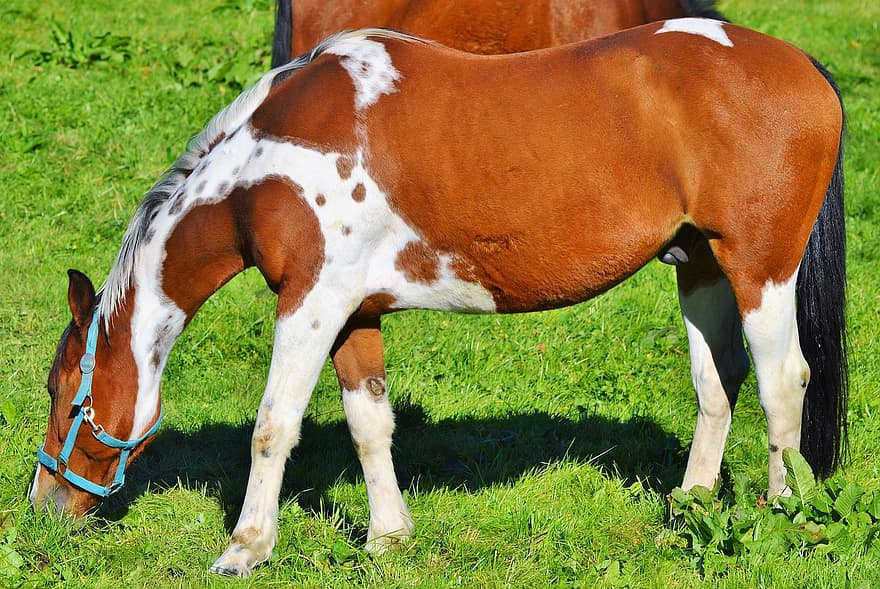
(80, 297)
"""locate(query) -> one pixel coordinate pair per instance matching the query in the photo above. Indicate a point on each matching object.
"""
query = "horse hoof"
(233, 563)
(228, 571)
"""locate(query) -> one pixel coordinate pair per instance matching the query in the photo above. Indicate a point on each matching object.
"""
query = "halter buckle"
(87, 363)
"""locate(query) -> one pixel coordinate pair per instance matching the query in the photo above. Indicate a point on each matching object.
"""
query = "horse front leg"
(360, 367)
(302, 342)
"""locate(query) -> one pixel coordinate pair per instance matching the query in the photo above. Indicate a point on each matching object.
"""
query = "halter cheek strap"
(82, 404)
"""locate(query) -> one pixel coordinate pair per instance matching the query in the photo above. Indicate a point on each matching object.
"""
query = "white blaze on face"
(32, 492)
(370, 68)
(705, 27)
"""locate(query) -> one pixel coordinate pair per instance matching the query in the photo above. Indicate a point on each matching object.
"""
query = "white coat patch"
(362, 240)
(705, 27)
(370, 68)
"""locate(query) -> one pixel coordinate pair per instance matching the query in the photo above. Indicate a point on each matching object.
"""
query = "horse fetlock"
(776, 486)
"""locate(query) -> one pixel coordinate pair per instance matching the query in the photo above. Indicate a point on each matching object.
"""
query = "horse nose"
(45, 493)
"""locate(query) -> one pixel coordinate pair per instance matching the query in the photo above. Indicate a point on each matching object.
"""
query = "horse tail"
(702, 8)
(282, 34)
(821, 319)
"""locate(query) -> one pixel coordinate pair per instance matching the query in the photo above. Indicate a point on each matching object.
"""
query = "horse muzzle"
(47, 494)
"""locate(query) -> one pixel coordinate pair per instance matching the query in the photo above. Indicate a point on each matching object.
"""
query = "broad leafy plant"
(829, 518)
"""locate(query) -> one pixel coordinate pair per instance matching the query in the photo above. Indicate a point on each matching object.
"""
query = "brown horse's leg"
(360, 367)
(782, 372)
(719, 362)
(765, 293)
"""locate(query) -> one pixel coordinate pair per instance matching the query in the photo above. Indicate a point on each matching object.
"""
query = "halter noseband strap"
(85, 413)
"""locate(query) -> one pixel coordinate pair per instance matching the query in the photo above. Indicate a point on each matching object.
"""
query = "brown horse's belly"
(530, 271)
(529, 259)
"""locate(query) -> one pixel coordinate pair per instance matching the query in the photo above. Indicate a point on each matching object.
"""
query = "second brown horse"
(477, 26)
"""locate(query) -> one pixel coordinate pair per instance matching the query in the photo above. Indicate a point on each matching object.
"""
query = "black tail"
(821, 317)
(703, 8)
(283, 30)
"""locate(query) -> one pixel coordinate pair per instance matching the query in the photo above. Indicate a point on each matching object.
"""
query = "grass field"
(535, 450)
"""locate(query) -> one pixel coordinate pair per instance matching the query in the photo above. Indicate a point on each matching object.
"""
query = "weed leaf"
(799, 476)
(10, 561)
(846, 501)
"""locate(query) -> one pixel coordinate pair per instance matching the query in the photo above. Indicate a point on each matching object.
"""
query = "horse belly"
(519, 267)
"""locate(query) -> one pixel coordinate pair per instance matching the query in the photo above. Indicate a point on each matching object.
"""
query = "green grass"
(535, 450)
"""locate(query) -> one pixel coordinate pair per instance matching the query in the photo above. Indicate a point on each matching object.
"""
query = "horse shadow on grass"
(465, 454)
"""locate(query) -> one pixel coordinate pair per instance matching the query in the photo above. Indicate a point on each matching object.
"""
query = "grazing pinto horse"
(381, 172)
(478, 26)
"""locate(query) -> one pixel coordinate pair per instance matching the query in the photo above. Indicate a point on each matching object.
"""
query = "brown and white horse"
(381, 172)
(477, 26)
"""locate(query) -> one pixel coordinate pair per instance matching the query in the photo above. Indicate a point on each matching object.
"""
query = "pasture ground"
(535, 450)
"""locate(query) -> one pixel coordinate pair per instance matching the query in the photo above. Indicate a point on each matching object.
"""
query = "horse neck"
(183, 264)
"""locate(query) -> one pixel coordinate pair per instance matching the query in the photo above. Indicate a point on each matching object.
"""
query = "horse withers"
(381, 172)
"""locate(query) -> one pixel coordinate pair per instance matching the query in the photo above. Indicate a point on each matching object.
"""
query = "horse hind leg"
(719, 362)
(765, 293)
(783, 373)
(360, 367)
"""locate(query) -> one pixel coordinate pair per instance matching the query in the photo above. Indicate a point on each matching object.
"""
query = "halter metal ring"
(89, 418)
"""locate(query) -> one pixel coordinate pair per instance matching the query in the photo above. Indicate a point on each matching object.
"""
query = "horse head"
(93, 386)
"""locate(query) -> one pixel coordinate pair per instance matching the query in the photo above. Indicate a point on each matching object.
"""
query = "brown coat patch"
(344, 166)
(268, 225)
(418, 262)
(288, 114)
(376, 304)
(359, 193)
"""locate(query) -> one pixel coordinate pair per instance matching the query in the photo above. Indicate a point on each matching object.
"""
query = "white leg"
(360, 366)
(302, 341)
(783, 374)
(371, 422)
(719, 364)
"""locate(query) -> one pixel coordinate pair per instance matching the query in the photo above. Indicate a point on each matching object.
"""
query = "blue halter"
(85, 413)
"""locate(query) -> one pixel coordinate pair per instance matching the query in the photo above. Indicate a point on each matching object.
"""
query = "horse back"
(550, 176)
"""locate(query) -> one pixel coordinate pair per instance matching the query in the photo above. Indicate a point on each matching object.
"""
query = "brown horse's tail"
(702, 8)
(821, 318)
(283, 30)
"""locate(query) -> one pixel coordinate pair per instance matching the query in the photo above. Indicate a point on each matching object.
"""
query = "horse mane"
(119, 279)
